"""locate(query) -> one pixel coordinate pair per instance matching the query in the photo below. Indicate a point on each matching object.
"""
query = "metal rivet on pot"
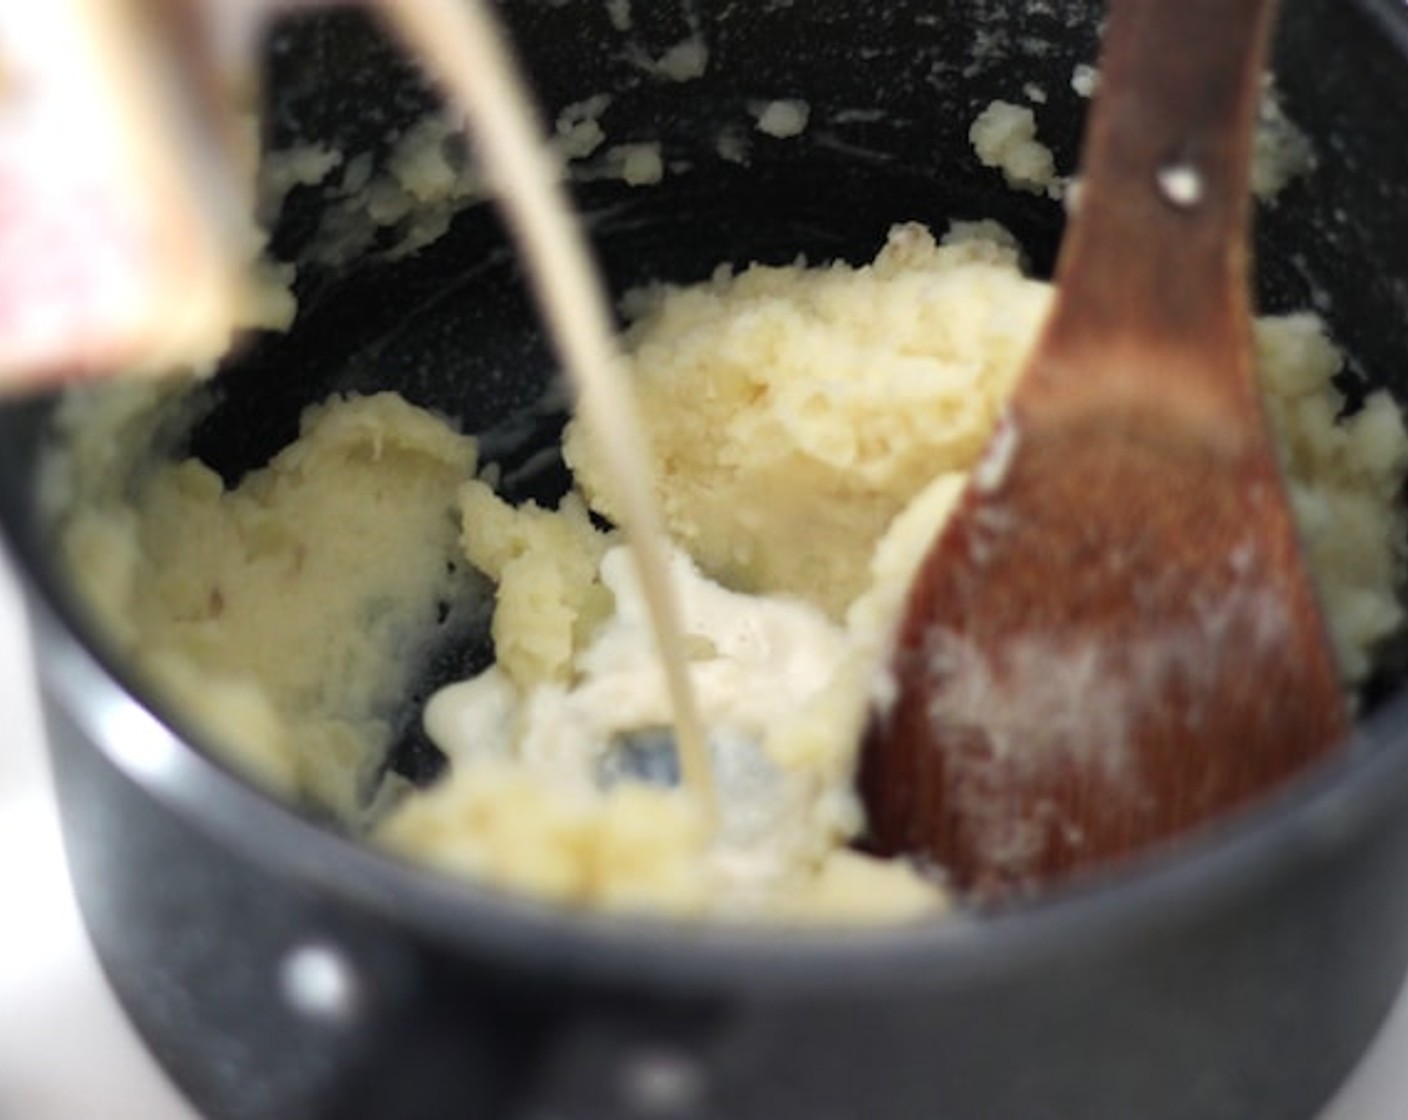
(661, 1082)
(318, 982)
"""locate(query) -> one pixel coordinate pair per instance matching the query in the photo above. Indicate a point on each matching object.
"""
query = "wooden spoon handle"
(1167, 172)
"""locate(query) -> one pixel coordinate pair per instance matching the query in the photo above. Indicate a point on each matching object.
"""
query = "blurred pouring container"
(126, 170)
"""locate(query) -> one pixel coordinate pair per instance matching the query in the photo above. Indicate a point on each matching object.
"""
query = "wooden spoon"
(1115, 639)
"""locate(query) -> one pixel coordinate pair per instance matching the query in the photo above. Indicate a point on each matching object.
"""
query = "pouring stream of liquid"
(466, 52)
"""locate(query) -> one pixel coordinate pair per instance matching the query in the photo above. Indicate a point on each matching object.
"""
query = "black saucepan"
(279, 969)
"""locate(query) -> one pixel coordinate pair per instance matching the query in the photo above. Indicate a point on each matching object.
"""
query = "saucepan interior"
(890, 99)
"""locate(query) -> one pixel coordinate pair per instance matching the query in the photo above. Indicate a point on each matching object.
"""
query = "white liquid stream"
(465, 51)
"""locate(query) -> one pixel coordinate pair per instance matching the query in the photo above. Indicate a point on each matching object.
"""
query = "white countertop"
(66, 1052)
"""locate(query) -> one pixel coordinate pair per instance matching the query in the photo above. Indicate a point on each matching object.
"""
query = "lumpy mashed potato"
(794, 412)
(811, 429)
(286, 615)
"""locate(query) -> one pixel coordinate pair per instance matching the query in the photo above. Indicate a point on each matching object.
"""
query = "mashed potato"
(811, 429)
(287, 615)
(794, 412)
